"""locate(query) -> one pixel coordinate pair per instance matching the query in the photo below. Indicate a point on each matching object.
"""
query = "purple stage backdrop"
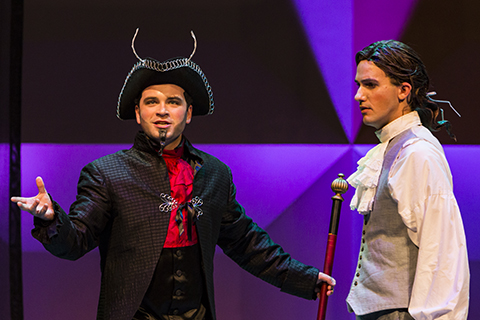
(294, 209)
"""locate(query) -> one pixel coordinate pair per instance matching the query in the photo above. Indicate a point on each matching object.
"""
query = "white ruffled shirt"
(421, 183)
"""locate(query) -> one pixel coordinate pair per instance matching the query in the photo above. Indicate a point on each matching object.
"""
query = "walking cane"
(339, 186)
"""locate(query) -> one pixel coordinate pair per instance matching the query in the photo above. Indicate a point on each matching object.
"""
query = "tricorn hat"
(180, 71)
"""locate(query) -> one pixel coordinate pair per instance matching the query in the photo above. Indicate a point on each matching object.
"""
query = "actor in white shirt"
(413, 261)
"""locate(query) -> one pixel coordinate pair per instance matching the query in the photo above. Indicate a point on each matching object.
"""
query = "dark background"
(446, 34)
(266, 83)
(267, 88)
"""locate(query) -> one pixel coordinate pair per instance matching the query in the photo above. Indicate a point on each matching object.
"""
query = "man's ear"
(189, 114)
(404, 91)
(137, 113)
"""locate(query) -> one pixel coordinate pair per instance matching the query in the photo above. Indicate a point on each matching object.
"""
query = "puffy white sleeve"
(421, 183)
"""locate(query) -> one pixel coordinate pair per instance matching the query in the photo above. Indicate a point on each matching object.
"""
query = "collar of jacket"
(145, 144)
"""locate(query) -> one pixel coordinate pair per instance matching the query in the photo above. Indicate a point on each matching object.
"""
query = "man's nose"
(162, 109)
(359, 96)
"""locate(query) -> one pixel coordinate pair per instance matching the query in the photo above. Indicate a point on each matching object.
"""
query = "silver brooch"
(170, 203)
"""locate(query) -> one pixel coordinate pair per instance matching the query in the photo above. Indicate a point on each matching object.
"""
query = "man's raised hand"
(40, 206)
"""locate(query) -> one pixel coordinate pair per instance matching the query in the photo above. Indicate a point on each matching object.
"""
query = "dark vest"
(177, 286)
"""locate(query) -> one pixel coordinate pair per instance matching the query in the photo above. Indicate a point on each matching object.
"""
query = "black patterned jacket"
(117, 209)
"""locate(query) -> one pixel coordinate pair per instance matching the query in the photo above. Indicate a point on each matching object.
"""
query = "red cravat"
(181, 183)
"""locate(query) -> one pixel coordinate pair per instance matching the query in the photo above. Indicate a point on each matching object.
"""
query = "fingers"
(40, 185)
(326, 278)
(29, 205)
(17, 199)
(329, 291)
(330, 281)
(40, 206)
(25, 201)
(40, 210)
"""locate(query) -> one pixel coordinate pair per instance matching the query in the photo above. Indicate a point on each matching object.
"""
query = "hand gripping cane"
(339, 186)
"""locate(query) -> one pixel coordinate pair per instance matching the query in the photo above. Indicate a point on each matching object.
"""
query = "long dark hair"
(401, 64)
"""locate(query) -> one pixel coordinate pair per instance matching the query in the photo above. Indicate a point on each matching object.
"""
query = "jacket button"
(179, 273)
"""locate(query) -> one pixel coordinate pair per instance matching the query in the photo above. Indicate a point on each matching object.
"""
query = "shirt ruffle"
(365, 179)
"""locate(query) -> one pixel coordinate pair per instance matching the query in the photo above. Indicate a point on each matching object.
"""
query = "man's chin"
(155, 137)
(172, 143)
(372, 124)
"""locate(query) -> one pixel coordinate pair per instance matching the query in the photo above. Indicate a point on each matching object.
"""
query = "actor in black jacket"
(157, 210)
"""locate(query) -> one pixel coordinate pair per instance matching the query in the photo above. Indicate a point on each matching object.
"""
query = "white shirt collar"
(365, 179)
(397, 126)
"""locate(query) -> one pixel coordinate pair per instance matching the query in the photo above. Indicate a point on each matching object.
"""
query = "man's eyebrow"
(149, 98)
(366, 80)
(176, 97)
